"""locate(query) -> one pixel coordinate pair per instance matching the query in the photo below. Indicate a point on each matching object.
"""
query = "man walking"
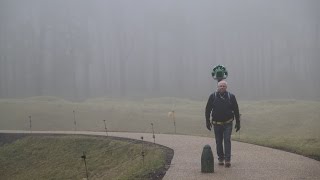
(223, 108)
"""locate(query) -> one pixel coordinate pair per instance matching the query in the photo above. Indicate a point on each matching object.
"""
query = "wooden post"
(105, 127)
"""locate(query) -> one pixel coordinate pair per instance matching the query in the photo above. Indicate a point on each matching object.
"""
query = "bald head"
(222, 86)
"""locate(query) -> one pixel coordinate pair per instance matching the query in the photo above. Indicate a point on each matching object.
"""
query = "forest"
(78, 49)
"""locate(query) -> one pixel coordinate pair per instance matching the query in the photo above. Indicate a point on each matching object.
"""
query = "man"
(223, 108)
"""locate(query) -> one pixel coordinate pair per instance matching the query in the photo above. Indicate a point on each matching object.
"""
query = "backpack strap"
(215, 95)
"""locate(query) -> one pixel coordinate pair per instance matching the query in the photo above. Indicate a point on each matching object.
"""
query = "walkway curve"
(248, 161)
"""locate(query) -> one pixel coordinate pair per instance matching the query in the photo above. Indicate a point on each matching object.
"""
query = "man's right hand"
(237, 126)
(209, 125)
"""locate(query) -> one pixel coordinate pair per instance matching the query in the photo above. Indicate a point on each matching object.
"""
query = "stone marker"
(207, 160)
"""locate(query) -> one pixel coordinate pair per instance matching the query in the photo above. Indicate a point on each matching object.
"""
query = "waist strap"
(222, 123)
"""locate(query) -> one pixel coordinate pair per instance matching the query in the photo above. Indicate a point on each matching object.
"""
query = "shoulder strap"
(214, 97)
(229, 96)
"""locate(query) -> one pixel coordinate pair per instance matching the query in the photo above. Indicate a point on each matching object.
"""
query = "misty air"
(159, 89)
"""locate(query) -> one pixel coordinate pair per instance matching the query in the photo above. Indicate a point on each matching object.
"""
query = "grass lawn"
(290, 125)
(59, 157)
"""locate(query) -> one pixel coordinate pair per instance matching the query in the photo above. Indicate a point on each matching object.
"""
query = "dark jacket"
(221, 108)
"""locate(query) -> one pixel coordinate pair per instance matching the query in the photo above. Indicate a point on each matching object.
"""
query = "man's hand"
(237, 126)
(209, 125)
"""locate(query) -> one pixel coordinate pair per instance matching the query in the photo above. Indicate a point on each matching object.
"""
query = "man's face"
(222, 87)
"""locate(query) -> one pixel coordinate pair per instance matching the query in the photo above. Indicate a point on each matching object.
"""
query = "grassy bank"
(291, 125)
(59, 157)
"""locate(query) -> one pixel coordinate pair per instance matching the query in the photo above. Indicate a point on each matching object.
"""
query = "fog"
(79, 49)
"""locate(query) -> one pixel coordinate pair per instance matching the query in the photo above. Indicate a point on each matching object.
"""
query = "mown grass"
(284, 124)
(59, 157)
(290, 125)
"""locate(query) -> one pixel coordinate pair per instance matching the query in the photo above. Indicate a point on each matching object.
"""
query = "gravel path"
(248, 161)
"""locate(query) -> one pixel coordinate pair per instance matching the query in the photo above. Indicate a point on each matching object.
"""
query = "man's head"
(222, 86)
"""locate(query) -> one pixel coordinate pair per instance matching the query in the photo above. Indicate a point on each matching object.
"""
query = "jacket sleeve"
(235, 108)
(209, 107)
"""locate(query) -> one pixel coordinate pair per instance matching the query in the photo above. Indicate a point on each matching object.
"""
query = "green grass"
(59, 157)
(284, 124)
(290, 125)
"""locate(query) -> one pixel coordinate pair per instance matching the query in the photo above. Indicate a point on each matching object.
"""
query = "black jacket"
(221, 108)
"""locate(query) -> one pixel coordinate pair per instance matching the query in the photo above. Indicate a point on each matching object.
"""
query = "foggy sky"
(78, 49)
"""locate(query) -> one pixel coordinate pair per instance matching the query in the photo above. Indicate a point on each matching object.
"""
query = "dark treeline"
(78, 49)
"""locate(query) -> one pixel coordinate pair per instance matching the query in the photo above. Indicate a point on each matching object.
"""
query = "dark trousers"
(223, 136)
